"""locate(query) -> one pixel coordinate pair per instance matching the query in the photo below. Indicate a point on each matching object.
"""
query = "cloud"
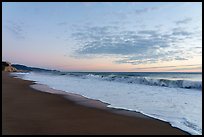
(198, 47)
(184, 21)
(191, 68)
(132, 47)
(137, 61)
(62, 23)
(180, 32)
(16, 29)
(144, 10)
(123, 15)
(174, 67)
(180, 58)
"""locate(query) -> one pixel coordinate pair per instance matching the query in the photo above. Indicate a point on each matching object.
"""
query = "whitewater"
(172, 97)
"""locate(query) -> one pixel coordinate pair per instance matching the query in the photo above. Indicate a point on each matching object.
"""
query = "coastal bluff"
(6, 66)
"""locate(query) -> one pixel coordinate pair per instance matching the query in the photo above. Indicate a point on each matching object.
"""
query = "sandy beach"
(26, 111)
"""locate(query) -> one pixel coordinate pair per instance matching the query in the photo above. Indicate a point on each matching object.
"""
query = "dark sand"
(28, 111)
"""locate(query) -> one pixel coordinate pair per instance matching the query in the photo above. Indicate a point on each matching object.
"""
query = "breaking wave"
(144, 80)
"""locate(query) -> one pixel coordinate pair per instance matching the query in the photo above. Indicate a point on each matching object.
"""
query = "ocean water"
(172, 97)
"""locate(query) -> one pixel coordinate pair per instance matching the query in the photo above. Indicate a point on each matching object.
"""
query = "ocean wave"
(144, 80)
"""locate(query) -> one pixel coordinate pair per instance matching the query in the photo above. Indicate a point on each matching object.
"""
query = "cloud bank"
(133, 47)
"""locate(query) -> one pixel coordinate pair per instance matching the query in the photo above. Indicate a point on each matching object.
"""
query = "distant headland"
(6, 66)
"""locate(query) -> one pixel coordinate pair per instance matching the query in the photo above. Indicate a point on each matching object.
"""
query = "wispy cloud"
(178, 31)
(190, 68)
(16, 29)
(62, 23)
(144, 10)
(123, 15)
(178, 67)
(183, 21)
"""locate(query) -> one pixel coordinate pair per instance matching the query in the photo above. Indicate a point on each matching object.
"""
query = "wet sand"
(26, 111)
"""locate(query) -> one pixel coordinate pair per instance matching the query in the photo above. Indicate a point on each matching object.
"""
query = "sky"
(104, 36)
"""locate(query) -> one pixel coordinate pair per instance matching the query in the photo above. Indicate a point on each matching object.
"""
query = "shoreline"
(52, 115)
(88, 102)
